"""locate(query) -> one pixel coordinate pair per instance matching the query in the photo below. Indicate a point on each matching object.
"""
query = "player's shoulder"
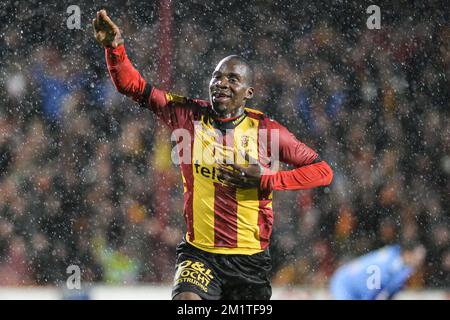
(391, 249)
(175, 98)
(198, 107)
(202, 109)
(265, 120)
(255, 114)
(259, 115)
(202, 103)
(180, 99)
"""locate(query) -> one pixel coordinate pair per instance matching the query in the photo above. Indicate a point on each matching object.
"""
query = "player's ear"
(249, 93)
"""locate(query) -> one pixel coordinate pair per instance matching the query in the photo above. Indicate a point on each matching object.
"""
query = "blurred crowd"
(86, 176)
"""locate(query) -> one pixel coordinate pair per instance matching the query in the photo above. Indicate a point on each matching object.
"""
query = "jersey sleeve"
(310, 171)
(291, 150)
(173, 110)
(305, 177)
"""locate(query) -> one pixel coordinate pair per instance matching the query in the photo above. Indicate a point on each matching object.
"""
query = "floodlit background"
(86, 177)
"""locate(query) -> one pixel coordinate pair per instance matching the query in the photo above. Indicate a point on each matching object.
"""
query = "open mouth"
(220, 96)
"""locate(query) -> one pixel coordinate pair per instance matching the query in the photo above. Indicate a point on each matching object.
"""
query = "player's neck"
(229, 116)
(230, 122)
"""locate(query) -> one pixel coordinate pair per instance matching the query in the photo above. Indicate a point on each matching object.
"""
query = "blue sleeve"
(397, 282)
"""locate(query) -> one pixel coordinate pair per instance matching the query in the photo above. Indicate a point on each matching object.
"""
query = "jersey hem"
(245, 251)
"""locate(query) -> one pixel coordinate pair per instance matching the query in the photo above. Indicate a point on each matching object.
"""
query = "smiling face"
(230, 86)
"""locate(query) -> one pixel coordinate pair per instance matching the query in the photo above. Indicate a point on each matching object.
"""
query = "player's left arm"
(310, 171)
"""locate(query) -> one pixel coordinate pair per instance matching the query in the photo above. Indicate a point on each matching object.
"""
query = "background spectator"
(80, 165)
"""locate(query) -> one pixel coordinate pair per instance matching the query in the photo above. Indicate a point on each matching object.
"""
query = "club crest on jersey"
(244, 142)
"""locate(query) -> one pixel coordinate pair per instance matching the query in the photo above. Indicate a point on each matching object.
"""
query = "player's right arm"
(172, 109)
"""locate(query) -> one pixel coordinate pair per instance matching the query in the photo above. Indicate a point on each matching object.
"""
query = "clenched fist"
(105, 31)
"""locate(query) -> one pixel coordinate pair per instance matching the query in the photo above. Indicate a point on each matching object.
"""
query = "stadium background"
(86, 176)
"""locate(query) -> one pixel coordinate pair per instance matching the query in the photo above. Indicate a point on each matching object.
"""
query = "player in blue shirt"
(377, 275)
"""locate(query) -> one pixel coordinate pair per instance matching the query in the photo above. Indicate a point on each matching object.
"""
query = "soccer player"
(378, 275)
(227, 204)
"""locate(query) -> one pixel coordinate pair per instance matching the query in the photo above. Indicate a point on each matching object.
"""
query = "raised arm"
(172, 109)
(125, 77)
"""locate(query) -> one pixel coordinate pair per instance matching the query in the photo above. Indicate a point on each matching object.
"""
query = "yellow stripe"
(253, 110)
(246, 140)
(203, 202)
(219, 250)
(170, 97)
(184, 182)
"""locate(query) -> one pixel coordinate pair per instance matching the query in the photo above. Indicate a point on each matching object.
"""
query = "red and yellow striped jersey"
(222, 219)
(219, 218)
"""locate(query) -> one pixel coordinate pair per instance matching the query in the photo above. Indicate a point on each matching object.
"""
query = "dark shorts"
(222, 276)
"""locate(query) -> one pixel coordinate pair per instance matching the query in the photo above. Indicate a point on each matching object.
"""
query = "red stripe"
(189, 194)
(189, 208)
(225, 209)
(225, 216)
(265, 214)
(265, 220)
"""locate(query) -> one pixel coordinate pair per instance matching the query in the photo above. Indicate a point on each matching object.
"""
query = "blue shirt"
(377, 275)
